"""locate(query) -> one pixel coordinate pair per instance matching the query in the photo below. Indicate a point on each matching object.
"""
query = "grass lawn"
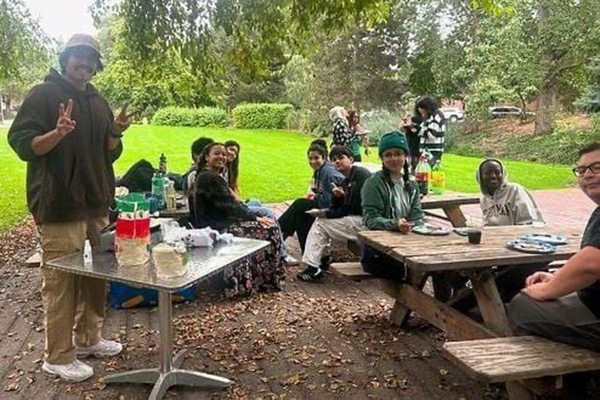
(273, 165)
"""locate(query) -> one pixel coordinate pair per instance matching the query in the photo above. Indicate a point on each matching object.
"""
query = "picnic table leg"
(456, 216)
(400, 313)
(493, 313)
(442, 282)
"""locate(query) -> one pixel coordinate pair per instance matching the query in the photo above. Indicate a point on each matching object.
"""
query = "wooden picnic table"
(424, 255)
(450, 203)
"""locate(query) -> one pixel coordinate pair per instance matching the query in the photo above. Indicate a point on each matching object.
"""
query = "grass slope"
(273, 164)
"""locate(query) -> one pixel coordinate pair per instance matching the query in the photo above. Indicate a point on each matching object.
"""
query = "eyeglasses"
(580, 171)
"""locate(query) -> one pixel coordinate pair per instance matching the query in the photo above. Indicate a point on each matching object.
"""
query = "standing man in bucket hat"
(67, 134)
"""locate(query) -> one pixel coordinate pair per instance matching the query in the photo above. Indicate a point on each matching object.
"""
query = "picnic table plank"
(522, 357)
(484, 259)
(448, 200)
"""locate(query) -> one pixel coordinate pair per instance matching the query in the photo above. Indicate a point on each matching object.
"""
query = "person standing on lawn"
(342, 134)
(66, 132)
(565, 305)
(433, 129)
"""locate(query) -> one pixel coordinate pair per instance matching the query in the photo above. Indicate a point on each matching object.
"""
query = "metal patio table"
(202, 263)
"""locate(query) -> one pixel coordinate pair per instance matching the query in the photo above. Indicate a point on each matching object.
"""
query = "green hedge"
(262, 116)
(181, 116)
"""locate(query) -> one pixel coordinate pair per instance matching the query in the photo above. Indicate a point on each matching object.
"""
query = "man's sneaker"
(326, 262)
(290, 261)
(104, 348)
(76, 371)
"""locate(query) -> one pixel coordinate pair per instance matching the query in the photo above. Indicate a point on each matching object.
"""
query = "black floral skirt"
(260, 272)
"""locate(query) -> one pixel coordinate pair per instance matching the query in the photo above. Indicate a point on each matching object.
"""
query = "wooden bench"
(520, 358)
(351, 270)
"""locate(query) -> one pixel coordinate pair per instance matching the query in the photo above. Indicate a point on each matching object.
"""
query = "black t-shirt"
(590, 296)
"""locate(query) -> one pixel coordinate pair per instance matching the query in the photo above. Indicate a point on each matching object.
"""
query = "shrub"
(262, 116)
(199, 117)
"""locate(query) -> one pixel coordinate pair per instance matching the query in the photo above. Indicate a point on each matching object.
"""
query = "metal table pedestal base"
(168, 374)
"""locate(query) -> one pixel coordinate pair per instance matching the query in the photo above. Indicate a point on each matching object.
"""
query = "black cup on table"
(474, 236)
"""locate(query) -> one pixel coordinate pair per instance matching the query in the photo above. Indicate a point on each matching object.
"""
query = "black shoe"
(326, 262)
(310, 274)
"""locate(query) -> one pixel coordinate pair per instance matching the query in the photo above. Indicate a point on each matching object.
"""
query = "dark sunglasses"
(580, 171)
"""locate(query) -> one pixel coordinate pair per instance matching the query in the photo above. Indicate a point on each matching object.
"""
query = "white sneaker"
(104, 348)
(291, 261)
(76, 371)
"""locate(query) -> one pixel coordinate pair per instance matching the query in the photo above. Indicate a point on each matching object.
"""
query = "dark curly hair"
(318, 146)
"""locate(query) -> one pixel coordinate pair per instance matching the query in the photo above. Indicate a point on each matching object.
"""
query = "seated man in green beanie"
(390, 202)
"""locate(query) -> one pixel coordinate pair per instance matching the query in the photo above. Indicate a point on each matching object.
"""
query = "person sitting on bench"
(216, 207)
(295, 219)
(390, 202)
(565, 306)
(339, 223)
(504, 202)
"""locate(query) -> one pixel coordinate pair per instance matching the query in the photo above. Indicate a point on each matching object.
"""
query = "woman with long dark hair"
(433, 128)
(295, 219)
(215, 206)
(233, 166)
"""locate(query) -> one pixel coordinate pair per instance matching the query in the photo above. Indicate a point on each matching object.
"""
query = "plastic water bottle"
(158, 189)
(438, 178)
(423, 175)
(87, 253)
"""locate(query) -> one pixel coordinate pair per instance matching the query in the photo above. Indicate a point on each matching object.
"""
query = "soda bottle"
(158, 189)
(162, 164)
(423, 175)
(438, 178)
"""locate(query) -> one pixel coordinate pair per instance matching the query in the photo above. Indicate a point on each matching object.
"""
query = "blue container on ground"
(125, 296)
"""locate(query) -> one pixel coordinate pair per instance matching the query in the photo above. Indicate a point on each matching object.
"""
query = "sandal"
(310, 274)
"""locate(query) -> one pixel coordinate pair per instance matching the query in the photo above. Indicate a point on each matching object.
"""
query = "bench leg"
(493, 313)
(400, 313)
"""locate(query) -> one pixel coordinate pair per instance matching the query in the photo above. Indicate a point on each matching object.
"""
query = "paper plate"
(546, 238)
(431, 230)
(531, 246)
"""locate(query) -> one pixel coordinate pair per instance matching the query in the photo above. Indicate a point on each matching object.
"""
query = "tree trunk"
(544, 119)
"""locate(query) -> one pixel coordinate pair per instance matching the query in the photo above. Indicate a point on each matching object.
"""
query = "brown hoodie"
(75, 180)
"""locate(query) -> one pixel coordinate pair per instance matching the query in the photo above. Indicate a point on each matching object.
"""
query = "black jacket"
(351, 203)
(75, 180)
(214, 205)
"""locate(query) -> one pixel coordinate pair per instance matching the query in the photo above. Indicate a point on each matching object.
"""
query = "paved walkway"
(562, 207)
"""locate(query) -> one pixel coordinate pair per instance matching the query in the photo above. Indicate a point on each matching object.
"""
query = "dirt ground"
(330, 340)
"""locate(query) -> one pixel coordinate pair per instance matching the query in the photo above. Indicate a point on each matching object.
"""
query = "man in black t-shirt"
(565, 306)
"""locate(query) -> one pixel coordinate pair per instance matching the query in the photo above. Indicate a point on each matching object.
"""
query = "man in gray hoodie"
(504, 202)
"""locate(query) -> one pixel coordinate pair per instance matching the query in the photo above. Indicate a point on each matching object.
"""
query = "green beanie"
(393, 140)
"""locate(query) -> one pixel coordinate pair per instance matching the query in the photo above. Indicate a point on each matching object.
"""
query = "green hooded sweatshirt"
(384, 202)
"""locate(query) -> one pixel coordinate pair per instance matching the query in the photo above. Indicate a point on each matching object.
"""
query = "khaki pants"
(72, 303)
(324, 231)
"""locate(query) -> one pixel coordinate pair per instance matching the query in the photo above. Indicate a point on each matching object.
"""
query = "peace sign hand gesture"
(123, 119)
(65, 124)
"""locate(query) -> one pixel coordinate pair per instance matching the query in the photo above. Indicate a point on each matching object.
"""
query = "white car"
(453, 114)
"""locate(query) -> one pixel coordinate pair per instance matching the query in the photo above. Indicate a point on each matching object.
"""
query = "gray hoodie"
(511, 204)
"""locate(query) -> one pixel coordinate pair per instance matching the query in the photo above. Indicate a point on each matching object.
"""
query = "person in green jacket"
(390, 202)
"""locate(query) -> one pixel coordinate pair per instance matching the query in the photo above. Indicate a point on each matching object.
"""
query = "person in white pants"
(339, 223)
